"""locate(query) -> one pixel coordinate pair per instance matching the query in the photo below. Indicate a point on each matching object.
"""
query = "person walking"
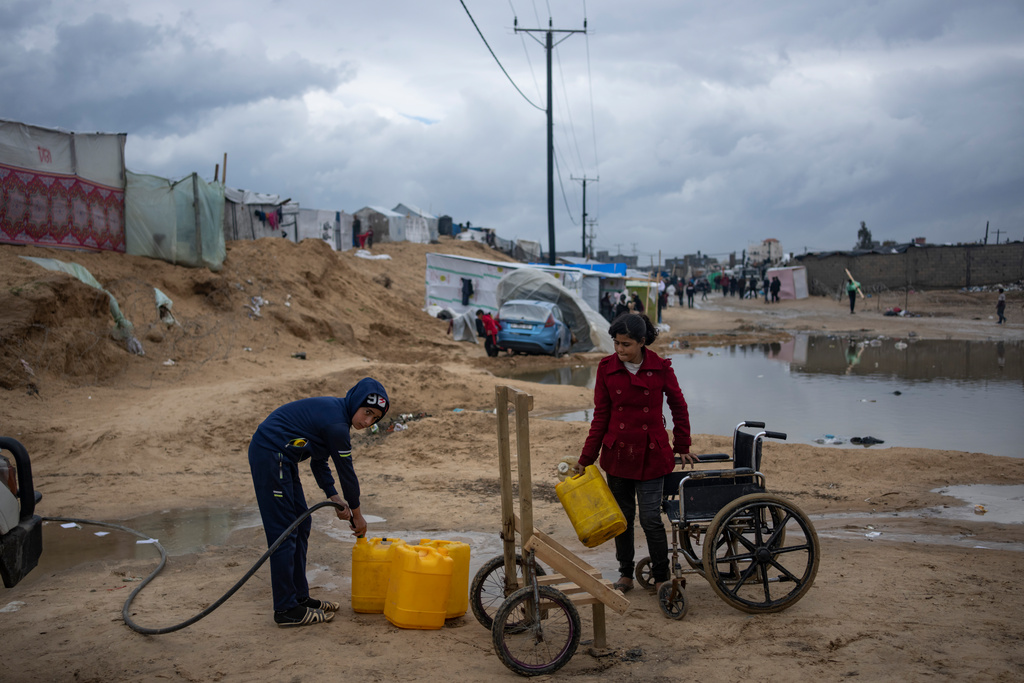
(1001, 306)
(690, 291)
(851, 290)
(775, 287)
(628, 434)
(314, 429)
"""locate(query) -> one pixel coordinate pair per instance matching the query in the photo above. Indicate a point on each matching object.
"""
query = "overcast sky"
(704, 125)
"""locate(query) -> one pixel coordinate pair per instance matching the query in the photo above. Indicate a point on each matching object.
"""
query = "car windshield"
(524, 311)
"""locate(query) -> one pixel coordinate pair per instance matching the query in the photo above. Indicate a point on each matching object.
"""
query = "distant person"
(315, 429)
(628, 434)
(490, 335)
(741, 287)
(357, 225)
(606, 307)
(724, 283)
(704, 286)
(621, 307)
(671, 292)
(851, 290)
(1001, 306)
(775, 287)
(691, 289)
(765, 284)
(637, 305)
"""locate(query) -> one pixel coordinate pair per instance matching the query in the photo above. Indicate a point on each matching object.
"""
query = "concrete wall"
(931, 267)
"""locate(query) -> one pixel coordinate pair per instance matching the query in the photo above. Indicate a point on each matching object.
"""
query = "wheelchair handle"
(754, 425)
(776, 435)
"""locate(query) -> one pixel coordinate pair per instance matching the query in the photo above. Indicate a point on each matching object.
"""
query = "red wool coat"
(628, 430)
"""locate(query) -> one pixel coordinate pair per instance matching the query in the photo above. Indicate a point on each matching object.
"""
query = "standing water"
(940, 394)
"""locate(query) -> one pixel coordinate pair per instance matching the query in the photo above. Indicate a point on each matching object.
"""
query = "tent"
(461, 283)
(589, 328)
(333, 227)
(178, 222)
(60, 189)
(793, 279)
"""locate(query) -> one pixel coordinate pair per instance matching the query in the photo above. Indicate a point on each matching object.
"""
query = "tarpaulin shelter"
(61, 189)
(462, 283)
(423, 232)
(589, 328)
(175, 221)
(793, 280)
(387, 225)
(251, 215)
(333, 227)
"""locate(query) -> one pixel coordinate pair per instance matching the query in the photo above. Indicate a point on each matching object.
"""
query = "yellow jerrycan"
(458, 601)
(421, 581)
(591, 508)
(371, 570)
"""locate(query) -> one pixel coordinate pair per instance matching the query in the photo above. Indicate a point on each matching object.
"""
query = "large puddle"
(191, 531)
(941, 394)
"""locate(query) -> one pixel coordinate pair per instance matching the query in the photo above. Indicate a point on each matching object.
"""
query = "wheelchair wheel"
(535, 639)
(761, 553)
(487, 591)
(644, 574)
(672, 600)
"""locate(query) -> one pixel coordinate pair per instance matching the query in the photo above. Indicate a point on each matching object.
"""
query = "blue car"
(536, 327)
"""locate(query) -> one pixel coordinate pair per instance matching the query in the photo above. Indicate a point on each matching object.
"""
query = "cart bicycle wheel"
(487, 591)
(761, 553)
(536, 633)
(644, 573)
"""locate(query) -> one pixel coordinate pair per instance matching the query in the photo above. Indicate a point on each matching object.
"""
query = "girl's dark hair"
(636, 326)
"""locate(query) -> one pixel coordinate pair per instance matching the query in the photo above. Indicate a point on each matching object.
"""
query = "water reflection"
(942, 394)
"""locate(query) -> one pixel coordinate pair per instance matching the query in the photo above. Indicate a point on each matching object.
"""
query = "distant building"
(767, 251)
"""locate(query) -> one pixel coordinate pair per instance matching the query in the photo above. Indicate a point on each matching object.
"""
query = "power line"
(496, 58)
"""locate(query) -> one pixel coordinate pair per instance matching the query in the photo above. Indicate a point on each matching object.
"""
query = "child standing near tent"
(315, 429)
(490, 332)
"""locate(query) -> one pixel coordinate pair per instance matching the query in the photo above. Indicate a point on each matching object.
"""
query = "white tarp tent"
(461, 283)
(333, 227)
(794, 281)
(589, 328)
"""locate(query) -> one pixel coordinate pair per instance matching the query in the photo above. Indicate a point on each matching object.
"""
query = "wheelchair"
(758, 551)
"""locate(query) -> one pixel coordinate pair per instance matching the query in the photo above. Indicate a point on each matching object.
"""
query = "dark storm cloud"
(116, 74)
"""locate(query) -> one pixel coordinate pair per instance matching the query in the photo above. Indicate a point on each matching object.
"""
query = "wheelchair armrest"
(721, 474)
(708, 457)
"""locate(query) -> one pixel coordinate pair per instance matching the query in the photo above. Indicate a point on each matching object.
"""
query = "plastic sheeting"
(123, 329)
(61, 189)
(589, 328)
(160, 220)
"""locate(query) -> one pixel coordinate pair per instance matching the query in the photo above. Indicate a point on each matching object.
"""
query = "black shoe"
(325, 605)
(302, 616)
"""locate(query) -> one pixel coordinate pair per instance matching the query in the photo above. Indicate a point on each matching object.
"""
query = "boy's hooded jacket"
(318, 428)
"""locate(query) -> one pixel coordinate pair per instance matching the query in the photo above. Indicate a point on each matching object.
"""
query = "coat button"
(618, 391)
(651, 446)
(621, 409)
(645, 428)
(648, 373)
(622, 425)
(647, 392)
(646, 409)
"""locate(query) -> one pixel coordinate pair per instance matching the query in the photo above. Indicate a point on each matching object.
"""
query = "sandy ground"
(115, 436)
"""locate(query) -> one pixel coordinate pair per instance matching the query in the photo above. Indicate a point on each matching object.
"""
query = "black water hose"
(163, 561)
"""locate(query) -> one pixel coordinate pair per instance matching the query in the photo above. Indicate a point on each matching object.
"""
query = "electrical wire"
(163, 561)
(496, 58)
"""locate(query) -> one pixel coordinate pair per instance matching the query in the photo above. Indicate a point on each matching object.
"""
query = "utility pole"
(986, 232)
(584, 221)
(997, 235)
(591, 237)
(548, 44)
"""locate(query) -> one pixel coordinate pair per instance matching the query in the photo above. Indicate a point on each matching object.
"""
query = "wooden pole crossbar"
(577, 579)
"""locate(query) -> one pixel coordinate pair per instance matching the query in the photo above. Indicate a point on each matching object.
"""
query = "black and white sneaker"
(302, 616)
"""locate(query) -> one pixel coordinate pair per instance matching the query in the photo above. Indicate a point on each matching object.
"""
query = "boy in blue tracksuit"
(314, 429)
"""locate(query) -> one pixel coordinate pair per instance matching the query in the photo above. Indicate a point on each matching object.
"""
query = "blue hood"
(357, 395)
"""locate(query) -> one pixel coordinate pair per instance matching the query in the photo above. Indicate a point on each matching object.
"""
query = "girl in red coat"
(628, 432)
